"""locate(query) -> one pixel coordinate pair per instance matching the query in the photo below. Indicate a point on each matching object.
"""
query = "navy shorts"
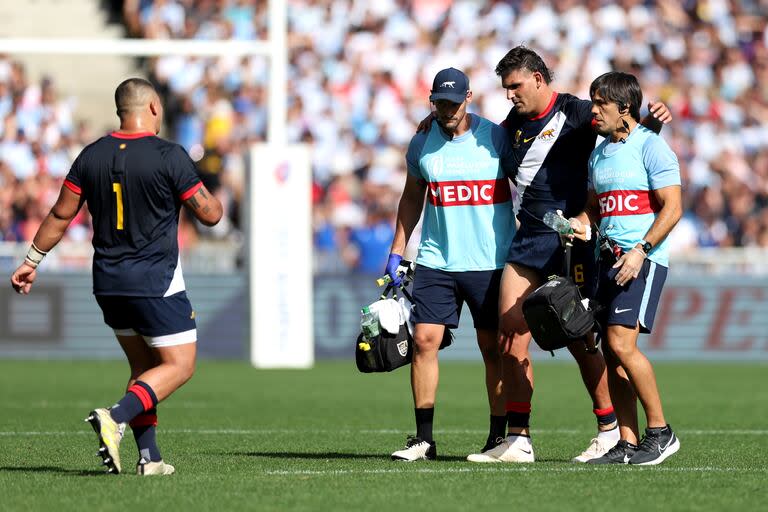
(439, 295)
(161, 321)
(635, 302)
(543, 253)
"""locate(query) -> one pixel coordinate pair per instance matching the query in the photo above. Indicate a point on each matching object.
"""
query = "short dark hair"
(130, 93)
(521, 57)
(620, 88)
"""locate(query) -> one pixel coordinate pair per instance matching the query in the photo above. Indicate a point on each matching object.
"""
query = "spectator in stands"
(358, 73)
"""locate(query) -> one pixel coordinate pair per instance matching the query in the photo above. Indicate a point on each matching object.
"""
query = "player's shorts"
(438, 297)
(636, 302)
(161, 321)
(543, 253)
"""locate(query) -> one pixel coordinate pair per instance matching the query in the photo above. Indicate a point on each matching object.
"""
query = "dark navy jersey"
(134, 186)
(551, 152)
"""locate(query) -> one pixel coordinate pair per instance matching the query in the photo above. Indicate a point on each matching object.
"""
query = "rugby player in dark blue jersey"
(552, 137)
(134, 184)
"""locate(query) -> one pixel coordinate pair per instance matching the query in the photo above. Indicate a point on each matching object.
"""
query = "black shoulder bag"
(555, 313)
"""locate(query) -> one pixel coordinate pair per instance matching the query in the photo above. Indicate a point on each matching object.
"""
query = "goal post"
(280, 257)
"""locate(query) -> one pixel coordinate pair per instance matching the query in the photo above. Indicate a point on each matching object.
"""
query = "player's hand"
(23, 277)
(629, 266)
(579, 230)
(660, 111)
(392, 263)
(426, 123)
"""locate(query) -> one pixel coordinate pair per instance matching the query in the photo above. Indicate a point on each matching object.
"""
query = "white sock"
(516, 438)
(609, 436)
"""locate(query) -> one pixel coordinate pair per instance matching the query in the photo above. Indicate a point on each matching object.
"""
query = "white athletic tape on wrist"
(34, 256)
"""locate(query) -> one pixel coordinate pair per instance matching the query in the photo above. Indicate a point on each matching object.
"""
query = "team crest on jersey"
(518, 134)
(547, 135)
(435, 166)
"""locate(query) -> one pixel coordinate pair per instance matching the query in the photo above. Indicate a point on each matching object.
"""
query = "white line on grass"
(281, 431)
(501, 469)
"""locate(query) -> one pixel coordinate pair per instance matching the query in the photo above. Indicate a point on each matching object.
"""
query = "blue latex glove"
(392, 263)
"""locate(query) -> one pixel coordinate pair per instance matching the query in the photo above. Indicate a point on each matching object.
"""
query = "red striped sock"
(139, 398)
(605, 416)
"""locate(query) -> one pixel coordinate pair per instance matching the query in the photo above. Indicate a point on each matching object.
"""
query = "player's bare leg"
(141, 359)
(517, 282)
(425, 375)
(630, 377)
(659, 441)
(517, 372)
(176, 366)
(425, 371)
(155, 374)
(623, 343)
(595, 378)
(623, 396)
(487, 341)
(140, 356)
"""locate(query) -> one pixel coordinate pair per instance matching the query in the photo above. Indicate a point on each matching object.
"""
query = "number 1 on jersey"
(117, 188)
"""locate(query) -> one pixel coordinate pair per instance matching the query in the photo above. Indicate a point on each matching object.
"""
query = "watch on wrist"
(646, 246)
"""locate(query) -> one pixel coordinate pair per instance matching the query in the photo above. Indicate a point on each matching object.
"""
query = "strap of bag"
(393, 289)
(567, 259)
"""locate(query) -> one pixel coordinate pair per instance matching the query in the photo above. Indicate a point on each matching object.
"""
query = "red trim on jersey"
(191, 191)
(548, 109)
(139, 135)
(627, 202)
(143, 395)
(518, 407)
(144, 420)
(74, 188)
(603, 412)
(469, 192)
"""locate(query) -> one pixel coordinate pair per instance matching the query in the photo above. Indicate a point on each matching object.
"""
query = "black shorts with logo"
(543, 253)
(438, 297)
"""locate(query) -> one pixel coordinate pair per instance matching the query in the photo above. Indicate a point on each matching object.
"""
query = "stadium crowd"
(359, 79)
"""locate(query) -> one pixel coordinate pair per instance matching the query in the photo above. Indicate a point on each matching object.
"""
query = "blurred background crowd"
(359, 79)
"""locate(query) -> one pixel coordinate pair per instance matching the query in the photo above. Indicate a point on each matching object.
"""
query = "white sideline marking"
(527, 468)
(249, 432)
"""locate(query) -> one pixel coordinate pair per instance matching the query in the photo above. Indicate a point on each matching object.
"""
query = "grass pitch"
(245, 439)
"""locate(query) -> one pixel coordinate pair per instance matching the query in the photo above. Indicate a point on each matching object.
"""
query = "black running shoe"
(416, 449)
(656, 446)
(622, 453)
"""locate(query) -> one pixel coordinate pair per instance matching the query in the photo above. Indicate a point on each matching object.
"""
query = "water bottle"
(369, 324)
(558, 223)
